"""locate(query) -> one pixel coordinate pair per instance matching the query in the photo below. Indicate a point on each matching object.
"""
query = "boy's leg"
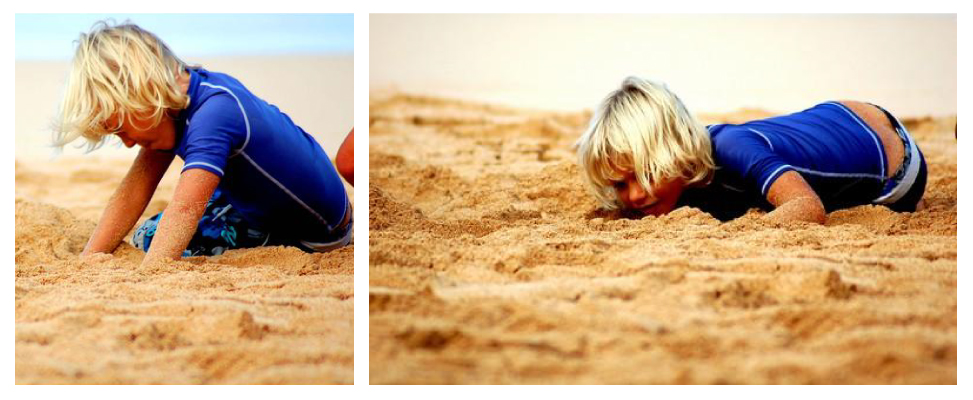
(345, 159)
(221, 228)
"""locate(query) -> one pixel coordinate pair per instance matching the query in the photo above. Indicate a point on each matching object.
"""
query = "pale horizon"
(52, 36)
(715, 63)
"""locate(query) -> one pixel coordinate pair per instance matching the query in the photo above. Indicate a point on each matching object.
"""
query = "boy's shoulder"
(728, 136)
(219, 106)
(205, 83)
(213, 94)
(213, 78)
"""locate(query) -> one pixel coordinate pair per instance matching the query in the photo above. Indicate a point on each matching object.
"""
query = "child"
(645, 153)
(251, 177)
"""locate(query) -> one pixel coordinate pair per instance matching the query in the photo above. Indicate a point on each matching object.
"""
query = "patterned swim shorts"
(223, 228)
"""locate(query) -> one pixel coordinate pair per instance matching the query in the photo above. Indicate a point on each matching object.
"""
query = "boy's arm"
(129, 201)
(794, 200)
(181, 216)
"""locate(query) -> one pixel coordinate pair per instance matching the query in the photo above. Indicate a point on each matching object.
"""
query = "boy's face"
(160, 137)
(634, 197)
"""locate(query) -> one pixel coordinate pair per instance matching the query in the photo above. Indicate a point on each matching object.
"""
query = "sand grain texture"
(490, 263)
(268, 315)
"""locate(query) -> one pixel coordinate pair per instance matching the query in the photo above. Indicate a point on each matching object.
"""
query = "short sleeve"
(751, 158)
(213, 132)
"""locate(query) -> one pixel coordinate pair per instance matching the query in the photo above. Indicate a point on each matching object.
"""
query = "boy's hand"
(181, 216)
(795, 200)
(92, 258)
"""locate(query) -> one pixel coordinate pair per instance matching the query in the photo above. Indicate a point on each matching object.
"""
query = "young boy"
(645, 153)
(251, 176)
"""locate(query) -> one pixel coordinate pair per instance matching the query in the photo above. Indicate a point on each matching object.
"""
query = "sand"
(267, 315)
(491, 263)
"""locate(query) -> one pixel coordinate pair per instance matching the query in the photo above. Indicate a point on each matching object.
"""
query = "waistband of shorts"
(345, 217)
(342, 237)
(902, 180)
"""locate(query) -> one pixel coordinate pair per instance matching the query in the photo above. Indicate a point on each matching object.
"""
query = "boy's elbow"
(804, 209)
(814, 212)
(820, 218)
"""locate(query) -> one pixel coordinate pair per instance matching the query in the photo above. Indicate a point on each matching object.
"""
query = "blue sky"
(51, 36)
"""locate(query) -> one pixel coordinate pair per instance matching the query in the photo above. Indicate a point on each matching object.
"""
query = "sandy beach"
(491, 263)
(267, 315)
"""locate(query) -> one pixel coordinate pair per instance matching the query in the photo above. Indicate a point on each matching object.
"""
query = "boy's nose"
(636, 194)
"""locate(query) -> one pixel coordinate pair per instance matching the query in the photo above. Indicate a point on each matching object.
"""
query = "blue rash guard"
(271, 170)
(833, 149)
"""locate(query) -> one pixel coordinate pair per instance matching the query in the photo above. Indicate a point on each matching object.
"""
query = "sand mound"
(268, 315)
(394, 213)
(491, 263)
(46, 233)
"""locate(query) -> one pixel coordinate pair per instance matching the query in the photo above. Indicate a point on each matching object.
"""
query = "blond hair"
(121, 71)
(645, 129)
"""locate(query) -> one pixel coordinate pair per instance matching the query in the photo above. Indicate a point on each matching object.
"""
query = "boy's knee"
(345, 159)
(346, 167)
